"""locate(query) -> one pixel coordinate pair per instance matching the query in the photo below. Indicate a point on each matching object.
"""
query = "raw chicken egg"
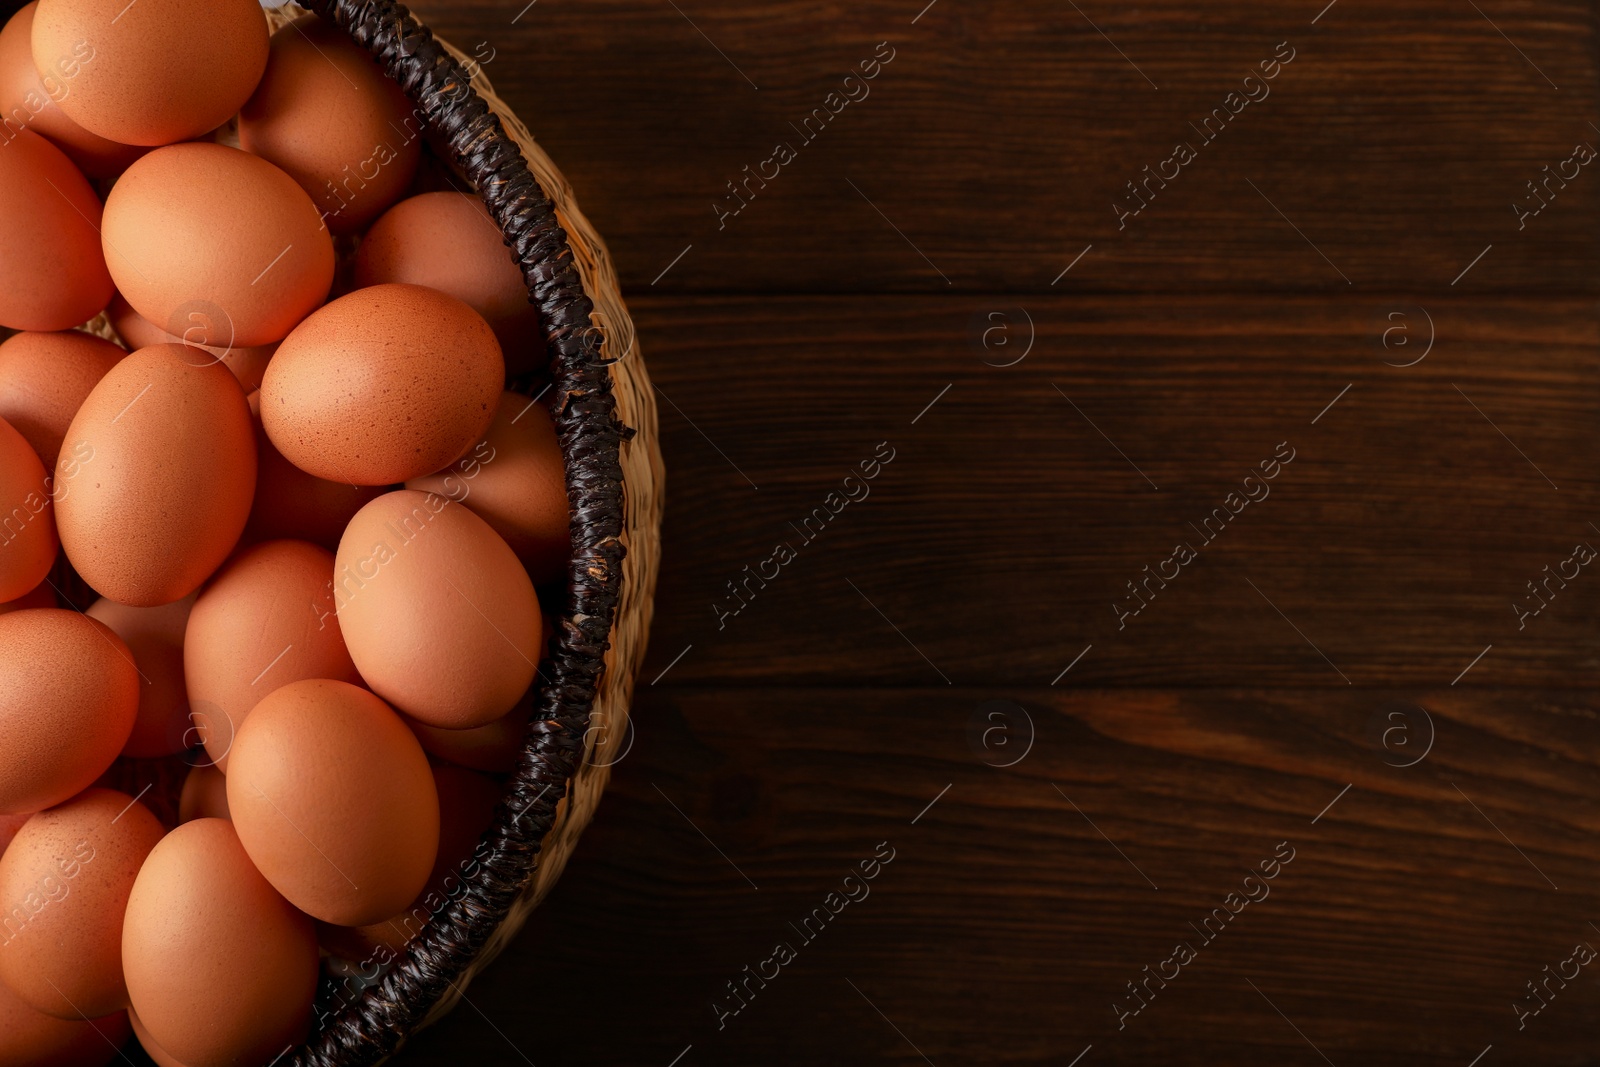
(28, 102)
(516, 482)
(326, 113)
(154, 71)
(44, 380)
(220, 968)
(440, 617)
(447, 241)
(384, 384)
(293, 504)
(156, 476)
(27, 517)
(334, 802)
(203, 231)
(155, 637)
(267, 619)
(53, 275)
(69, 695)
(205, 794)
(247, 364)
(64, 883)
(38, 1040)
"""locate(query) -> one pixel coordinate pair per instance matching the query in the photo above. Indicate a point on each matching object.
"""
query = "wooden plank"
(999, 541)
(999, 137)
(1017, 907)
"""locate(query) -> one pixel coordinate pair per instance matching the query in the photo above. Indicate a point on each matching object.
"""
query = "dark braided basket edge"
(366, 1027)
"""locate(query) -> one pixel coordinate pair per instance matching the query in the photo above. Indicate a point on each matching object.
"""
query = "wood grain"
(1401, 932)
(1396, 141)
(1007, 527)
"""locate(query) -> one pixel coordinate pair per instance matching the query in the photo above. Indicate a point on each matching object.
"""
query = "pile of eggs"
(281, 541)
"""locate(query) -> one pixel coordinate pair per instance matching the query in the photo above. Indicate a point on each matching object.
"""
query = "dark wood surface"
(942, 668)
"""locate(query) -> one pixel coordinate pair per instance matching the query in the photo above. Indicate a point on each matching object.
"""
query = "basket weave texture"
(605, 415)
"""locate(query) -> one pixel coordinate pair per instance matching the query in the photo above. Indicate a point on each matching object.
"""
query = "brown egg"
(38, 1040)
(221, 969)
(382, 385)
(64, 883)
(467, 801)
(44, 380)
(152, 1048)
(327, 114)
(155, 637)
(247, 364)
(156, 476)
(69, 694)
(155, 71)
(52, 273)
(267, 619)
(293, 504)
(216, 245)
(205, 794)
(515, 480)
(447, 241)
(493, 747)
(334, 802)
(27, 517)
(440, 617)
(28, 102)
(41, 596)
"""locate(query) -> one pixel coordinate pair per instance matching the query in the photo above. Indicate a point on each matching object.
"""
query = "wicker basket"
(606, 417)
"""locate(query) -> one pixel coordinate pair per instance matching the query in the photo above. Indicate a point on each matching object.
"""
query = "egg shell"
(155, 637)
(28, 102)
(515, 480)
(247, 364)
(220, 968)
(216, 245)
(156, 476)
(9, 825)
(27, 517)
(293, 504)
(152, 1048)
(69, 694)
(41, 596)
(267, 619)
(334, 801)
(38, 1040)
(447, 241)
(64, 883)
(493, 747)
(384, 384)
(440, 618)
(44, 380)
(467, 801)
(205, 794)
(53, 275)
(155, 71)
(326, 113)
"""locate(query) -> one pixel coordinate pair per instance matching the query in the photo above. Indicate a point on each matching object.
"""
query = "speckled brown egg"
(155, 637)
(44, 380)
(447, 241)
(440, 617)
(515, 480)
(334, 802)
(154, 71)
(328, 115)
(69, 695)
(27, 517)
(384, 384)
(53, 274)
(203, 230)
(69, 873)
(205, 794)
(247, 364)
(293, 504)
(156, 476)
(34, 1039)
(220, 968)
(467, 801)
(28, 101)
(267, 619)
